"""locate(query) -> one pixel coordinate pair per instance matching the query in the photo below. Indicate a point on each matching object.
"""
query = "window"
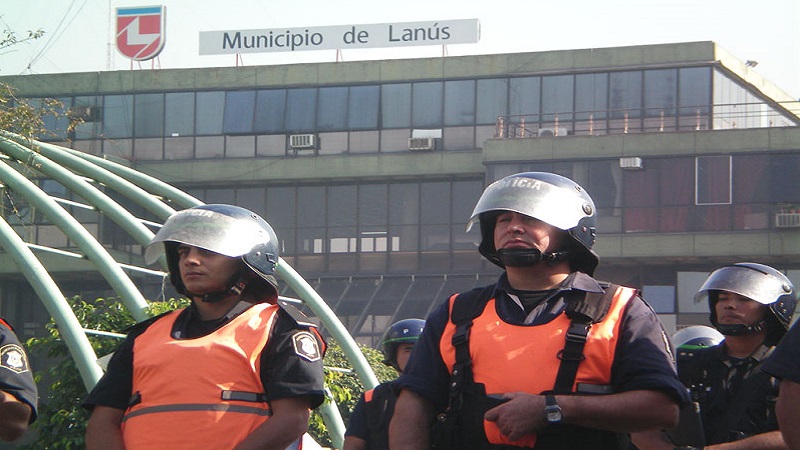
(396, 105)
(270, 110)
(427, 104)
(459, 102)
(239, 110)
(625, 94)
(301, 109)
(332, 105)
(713, 174)
(557, 96)
(524, 97)
(362, 112)
(118, 116)
(660, 92)
(179, 114)
(492, 100)
(210, 108)
(149, 119)
(591, 96)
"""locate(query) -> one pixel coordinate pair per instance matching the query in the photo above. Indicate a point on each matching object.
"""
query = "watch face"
(553, 414)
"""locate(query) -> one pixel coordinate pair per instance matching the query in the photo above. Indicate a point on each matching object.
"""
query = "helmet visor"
(210, 230)
(745, 281)
(559, 206)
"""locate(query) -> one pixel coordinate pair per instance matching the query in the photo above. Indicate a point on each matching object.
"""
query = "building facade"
(369, 170)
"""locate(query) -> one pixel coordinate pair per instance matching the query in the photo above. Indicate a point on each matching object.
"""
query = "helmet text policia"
(225, 229)
(553, 199)
(406, 331)
(757, 282)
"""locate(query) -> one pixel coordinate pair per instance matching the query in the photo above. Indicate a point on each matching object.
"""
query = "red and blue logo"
(140, 31)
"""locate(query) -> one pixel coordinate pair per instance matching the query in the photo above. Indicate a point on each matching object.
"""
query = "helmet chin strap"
(530, 256)
(236, 284)
(740, 329)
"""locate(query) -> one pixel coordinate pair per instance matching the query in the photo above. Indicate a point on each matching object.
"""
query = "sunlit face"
(517, 231)
(734, 309)
(403, 353)
(204, 271)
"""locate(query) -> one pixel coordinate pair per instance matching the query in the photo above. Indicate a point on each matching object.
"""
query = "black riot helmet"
(406, 331)
(553, 199)
(225, 229)
(757, 282)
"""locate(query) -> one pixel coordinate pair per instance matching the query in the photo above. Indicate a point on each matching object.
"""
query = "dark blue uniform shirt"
(643, 361)
(785, 359)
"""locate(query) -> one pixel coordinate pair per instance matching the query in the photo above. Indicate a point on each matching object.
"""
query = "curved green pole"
(108, 207)
(95, 252)
(68, 326)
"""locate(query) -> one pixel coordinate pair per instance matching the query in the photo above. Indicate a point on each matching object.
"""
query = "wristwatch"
(552, 411)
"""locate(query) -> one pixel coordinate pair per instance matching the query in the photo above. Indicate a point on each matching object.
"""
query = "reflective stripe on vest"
(520, 358)
(205, 391)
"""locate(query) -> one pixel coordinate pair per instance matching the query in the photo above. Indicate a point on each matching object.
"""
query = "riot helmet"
(225, 229)
(760, 283)
(696, 336)
(406, 331)
(553, 199)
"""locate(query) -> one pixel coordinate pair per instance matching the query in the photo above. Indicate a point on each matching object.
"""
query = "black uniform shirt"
(785, 360)
(15, 372)
(284, 373)
(643, 358)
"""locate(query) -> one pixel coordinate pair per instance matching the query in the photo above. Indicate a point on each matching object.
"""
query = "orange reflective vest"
(198, 393)
(518, 358)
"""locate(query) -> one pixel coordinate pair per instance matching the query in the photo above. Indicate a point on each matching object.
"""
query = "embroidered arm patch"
(13, 358)
(305, 346)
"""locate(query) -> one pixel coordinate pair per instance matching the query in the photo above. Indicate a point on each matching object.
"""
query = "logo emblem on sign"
(140, 31)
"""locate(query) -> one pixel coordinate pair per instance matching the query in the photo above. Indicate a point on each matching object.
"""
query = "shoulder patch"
(13, 358)
(306, 346)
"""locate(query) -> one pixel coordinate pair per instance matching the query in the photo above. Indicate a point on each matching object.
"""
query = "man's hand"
(522, 414)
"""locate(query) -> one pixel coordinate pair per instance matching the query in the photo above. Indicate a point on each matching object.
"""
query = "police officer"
(547, 357)
(18, 393)
(784, 364)
(369, 422)
(236, 369)
(751, 305)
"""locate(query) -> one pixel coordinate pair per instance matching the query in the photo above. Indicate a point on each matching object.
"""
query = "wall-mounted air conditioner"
(421, 143)
(300, 141)
(631, 163)
(552, 131)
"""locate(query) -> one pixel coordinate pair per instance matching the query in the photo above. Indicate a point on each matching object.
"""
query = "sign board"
(406, 34)
(140, 31)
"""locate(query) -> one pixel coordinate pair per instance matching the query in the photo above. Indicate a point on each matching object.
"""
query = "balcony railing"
(640, 120)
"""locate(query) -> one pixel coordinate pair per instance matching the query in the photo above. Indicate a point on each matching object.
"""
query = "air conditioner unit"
(552, 131)
(421, 143)
(302, 141)
(631, 163)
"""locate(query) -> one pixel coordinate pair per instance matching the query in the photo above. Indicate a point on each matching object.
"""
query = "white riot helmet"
(553, 199)
(757, 282)
(225, 229)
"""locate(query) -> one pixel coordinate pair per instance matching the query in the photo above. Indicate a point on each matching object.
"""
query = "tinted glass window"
(557, 94)
(210, 108)
(427, 104)
(332, 108)
(362, 112)
(239, 110)
(660, 92)
(492, 100)
(118, 116)
(270, 109)
(179, 115)
(459, 102)
(694, 90)
(149, 110)
(523, 94)
(626, 94)
(301, 109)
(396, 105)
(591, 96)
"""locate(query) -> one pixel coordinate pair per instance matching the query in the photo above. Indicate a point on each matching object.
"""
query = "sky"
(79, 33)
